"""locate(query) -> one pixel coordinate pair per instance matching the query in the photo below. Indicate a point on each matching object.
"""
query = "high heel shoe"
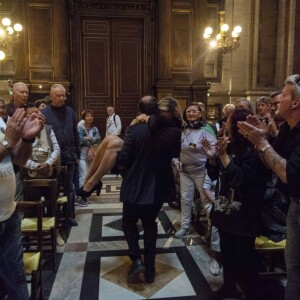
(81, 192)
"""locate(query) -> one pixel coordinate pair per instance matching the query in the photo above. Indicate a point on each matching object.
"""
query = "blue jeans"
(83, 167)
(292, 251)
(12, 275)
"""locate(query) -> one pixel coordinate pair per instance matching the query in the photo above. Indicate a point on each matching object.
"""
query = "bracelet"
(264, 149)
(28, 141)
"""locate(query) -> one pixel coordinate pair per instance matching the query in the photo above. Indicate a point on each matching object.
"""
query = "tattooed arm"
(275, 162)
(257, 136)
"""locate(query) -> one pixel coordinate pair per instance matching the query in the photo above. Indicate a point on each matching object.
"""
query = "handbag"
(227, 212)
(90, 154)
(226, 205)
(40, 153)
(37, 174)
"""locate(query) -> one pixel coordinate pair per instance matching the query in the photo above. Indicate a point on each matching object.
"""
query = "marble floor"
(93, 264)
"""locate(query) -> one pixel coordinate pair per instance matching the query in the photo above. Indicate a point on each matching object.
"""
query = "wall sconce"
(222, 40)
(9, 35)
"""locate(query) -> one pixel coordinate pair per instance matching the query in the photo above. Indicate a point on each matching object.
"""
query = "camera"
(192, 146)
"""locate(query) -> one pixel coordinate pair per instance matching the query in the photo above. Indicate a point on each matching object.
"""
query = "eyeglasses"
(192, 111)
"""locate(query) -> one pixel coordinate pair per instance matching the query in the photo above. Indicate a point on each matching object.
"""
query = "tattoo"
(277, 160)
(276, 163)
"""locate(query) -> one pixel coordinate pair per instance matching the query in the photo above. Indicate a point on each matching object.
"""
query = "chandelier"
(222, 40)
(9, 35)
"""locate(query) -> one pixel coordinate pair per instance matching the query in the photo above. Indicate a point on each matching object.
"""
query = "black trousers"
(239, 262)
(147, 214)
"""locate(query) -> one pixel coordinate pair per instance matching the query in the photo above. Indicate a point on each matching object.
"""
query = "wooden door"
(112, 66)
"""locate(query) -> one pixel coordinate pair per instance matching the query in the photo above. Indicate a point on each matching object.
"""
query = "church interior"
(113, 52)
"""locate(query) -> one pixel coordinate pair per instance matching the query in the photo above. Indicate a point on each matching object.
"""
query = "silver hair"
(57, 85)
(17, 84)
(229, 105)
(294, 81)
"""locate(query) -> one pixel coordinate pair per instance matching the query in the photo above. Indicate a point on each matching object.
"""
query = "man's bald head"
(20, 94)
(148, 105)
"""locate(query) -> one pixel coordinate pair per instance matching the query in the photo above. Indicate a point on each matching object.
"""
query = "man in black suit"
(148, 179)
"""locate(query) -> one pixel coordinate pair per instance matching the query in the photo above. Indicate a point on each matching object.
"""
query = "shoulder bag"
(227, 212)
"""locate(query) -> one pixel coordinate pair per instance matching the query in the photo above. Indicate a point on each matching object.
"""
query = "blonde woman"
(220, 125)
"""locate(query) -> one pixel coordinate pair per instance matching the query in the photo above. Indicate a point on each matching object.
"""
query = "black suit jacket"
(148, 177)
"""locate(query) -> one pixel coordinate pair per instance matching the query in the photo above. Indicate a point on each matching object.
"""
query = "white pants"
(188, 181)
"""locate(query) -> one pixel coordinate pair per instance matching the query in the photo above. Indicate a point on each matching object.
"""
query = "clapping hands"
(34, 124)
(212, 150)
(15, 127)
(209, 149)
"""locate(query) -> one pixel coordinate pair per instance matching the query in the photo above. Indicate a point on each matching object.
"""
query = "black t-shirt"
(287, 145)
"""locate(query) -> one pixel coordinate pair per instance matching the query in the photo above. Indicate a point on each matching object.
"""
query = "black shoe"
(149, 276)
(174, 205)
(136, 267)
(115, 170)
(223, 293)
(81, 192)
(72, 222)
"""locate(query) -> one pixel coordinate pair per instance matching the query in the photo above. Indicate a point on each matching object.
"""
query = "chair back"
(32, 209)
(50, 184)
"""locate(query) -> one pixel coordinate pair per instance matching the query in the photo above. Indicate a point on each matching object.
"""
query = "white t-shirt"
(113, 125)
(7, 183)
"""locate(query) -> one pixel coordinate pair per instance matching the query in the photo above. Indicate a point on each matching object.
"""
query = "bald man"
(20, 97)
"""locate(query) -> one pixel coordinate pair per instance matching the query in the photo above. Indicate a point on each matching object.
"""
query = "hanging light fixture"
(9, 35)
(222, 40)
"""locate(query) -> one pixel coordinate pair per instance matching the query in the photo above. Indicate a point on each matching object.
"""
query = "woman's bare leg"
(104, 160)
(98, 157)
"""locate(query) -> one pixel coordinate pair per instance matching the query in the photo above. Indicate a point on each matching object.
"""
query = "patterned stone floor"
(94, 264)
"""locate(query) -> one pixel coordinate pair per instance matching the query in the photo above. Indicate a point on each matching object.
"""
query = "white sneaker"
(81, 202)
(181, 232)
(59, 240)
(214, 267)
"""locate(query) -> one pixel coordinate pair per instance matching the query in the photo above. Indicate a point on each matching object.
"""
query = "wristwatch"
(263, 150)
(7, 145)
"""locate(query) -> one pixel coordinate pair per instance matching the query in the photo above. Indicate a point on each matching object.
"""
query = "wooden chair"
(273, 256)
(32, 258)
(29, 226)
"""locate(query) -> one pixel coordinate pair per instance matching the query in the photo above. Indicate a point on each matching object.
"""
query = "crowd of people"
(233, 159)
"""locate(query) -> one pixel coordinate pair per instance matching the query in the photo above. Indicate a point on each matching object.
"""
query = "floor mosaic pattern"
(94, 264)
